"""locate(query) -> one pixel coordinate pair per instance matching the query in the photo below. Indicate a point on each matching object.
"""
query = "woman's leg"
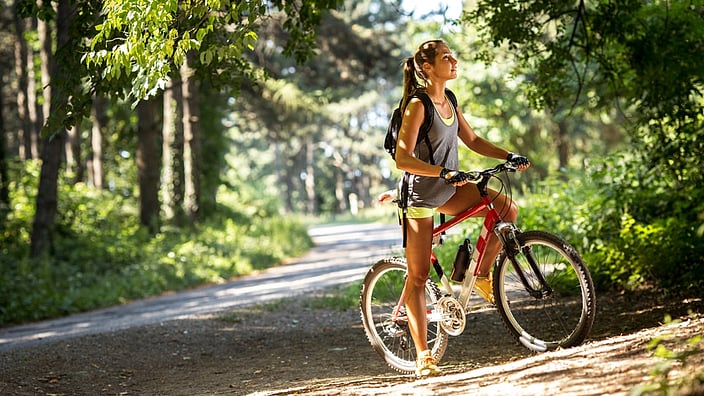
(418, 246)
(468, 196)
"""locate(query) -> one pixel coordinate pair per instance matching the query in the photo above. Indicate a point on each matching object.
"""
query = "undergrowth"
(673, 372)
(102, 257)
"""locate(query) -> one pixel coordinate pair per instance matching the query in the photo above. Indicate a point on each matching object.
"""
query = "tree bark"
(99, 121)
(72, 149)
(563, 143)
(340, 190)
(172, 171)
(26, 136)
(47, 197)
(4, 174)
(311, 206)
(192, 149)
(33, 106)
(283, 177)
(45, 55)
(148, 163)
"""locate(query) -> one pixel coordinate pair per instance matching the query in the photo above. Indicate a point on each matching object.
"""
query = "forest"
(149, 146)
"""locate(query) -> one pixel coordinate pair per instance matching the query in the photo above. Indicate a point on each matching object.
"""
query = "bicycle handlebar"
(477, 176)
(473, 176)
(504, 167)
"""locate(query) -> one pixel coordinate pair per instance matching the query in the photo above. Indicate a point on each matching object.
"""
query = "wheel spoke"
(564, 316)
(386, 325)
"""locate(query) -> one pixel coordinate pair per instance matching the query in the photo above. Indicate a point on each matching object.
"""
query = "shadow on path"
(341, 255)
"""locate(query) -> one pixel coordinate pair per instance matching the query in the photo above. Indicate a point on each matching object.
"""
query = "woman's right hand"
(459, 178)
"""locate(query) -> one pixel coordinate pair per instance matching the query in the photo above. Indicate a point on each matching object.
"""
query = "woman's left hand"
(520, 161)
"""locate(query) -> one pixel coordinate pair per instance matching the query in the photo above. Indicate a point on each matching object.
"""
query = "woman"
(438, 187)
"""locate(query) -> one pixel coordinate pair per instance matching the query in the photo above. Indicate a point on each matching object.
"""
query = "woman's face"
(445, 66)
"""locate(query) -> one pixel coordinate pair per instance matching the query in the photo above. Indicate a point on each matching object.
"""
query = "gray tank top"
(433, 192)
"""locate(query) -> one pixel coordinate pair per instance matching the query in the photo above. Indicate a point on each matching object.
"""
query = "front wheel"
(545, 315)
(384, 315)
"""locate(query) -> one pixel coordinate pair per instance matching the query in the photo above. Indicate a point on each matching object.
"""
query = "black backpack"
(397, 116)
(392, 137)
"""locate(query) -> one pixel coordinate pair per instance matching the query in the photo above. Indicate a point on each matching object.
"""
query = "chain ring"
(453, 316)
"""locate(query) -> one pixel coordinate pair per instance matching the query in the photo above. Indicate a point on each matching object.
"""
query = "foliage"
(319, 123)
(71, 99)
(673, 355)
(102, 257)
(629, 229)
(631, 213)
(146, 40)
(649, 233)
(639, 55)
(340, 298)
(311, 133)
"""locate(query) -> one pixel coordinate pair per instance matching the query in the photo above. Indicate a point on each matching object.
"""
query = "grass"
(102, 257)
(338, 298)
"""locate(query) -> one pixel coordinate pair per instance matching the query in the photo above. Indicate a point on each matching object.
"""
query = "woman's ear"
(426, 68)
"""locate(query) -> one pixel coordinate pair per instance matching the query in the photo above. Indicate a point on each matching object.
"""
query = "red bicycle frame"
(491, 218)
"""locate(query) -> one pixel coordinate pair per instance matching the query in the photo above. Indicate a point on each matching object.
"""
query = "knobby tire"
(562, 318)
(380, 294)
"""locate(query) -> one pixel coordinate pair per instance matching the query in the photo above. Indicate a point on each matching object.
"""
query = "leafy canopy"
(642, 56)
(146, 40)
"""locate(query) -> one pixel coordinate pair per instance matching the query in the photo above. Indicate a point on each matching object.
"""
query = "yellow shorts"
(414, 212)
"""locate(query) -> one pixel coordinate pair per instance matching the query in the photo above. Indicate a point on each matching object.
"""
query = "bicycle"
(542, 289)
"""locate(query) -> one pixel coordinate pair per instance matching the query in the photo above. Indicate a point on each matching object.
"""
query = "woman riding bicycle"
(440, 186)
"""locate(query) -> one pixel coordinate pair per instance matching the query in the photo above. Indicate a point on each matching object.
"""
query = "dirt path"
(287, 346)
(342, 254)
(291, 348)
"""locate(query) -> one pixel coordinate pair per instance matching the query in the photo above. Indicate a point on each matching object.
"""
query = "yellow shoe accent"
(484, 289)
(426, 365)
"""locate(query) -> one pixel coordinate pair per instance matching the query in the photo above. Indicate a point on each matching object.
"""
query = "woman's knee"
(514, 210)
(511, 213)
(417, 278)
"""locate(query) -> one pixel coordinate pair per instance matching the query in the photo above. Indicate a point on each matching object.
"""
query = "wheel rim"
(392, 339)
(555, 320)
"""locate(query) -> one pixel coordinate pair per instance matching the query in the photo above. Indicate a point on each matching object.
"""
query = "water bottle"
(459, 267)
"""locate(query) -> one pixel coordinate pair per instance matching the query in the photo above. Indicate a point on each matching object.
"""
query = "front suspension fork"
(508, 234)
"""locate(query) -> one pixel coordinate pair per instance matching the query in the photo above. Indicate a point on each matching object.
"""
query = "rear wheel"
(385, 322)
(544, 318)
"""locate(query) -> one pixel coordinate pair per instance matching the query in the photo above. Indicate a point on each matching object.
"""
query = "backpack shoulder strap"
(451, 95)
(428, 105)
(427, 122)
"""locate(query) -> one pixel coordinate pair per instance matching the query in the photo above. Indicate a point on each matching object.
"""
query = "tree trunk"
(25, 138)
(191, 150)
(33, 106)
(4, 174)
(563, 143)
(148, 163)
(45, 55)
(172, 171)
(99, 122)
(72, 149)
(283, 177)
(340, 190)
(47, 197)
(310, 178)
